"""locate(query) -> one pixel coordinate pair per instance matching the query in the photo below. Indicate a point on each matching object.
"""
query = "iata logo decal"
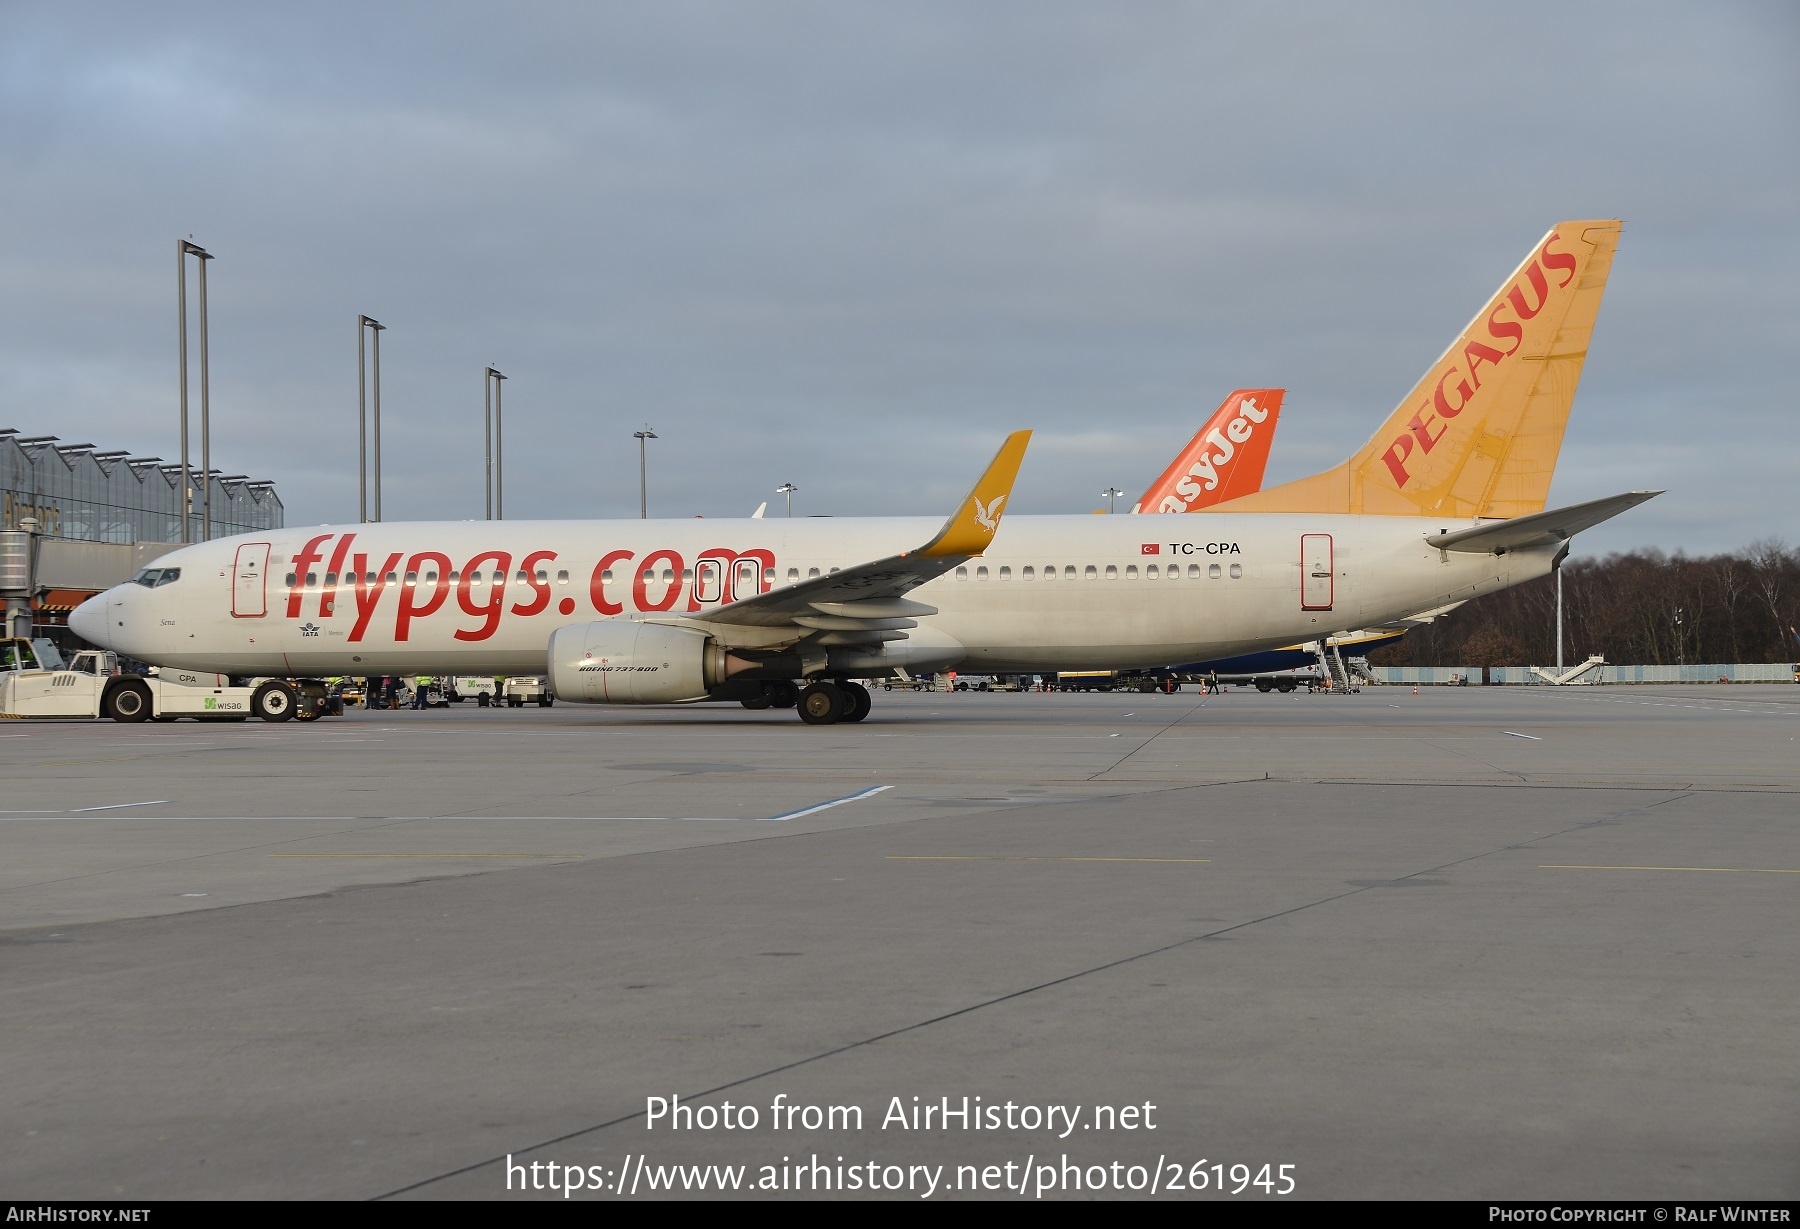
(1461, 377)
(309, 629)
(1204, 474)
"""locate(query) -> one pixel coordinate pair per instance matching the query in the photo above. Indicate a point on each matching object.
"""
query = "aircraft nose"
(88, 620)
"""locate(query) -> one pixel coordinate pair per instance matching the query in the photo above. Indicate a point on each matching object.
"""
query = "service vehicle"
(523, 689)
(34, 683)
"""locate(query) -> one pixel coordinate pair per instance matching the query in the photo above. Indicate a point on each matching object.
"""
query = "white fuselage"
(1051, 592)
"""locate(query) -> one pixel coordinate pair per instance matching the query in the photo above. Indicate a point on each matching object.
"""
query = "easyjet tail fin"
(1479, 435)
(1224, 460)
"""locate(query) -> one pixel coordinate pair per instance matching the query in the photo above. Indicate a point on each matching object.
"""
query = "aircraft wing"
(867, 603)
(1538, 529)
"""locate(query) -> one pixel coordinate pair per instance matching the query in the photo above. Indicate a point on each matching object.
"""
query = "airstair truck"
(34, 683)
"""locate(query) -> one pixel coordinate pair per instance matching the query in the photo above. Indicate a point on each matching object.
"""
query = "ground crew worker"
(419, 686)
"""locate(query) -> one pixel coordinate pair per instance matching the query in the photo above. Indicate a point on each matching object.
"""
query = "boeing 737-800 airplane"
(650, 612)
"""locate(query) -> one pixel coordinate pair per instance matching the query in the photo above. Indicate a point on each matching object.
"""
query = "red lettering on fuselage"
(489, 611)
(528, 574)
(641, 578)
(309, 555)
(597, 585)
(328, 595)
(417, 577)
(431, 579)
(368, 594)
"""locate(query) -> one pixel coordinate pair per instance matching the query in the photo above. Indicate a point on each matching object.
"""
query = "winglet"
(971, 527)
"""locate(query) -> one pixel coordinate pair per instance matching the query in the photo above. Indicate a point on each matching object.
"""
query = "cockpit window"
(155, 578)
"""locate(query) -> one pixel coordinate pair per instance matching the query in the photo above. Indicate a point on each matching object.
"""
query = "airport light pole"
(788, 489)
(367, 326)
(643, 437)
(496, 470)
(1559, 620)
(183, 249)
(1111, 495)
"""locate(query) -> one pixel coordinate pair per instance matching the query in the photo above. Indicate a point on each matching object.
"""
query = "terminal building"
(101, 515)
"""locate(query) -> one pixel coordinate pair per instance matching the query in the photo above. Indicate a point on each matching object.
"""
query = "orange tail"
(1224, 460)
(1478, 436)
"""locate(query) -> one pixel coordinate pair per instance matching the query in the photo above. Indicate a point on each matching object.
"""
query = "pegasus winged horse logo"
(988, 517)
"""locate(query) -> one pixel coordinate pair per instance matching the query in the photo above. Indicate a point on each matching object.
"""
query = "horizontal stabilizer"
(1538, 529)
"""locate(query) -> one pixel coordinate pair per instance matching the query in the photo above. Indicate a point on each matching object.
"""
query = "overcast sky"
(850, 246)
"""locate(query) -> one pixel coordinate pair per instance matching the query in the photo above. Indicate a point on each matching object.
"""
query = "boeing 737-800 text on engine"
(643, 612)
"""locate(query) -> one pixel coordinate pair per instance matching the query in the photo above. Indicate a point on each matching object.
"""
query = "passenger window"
(1027, 574)
(290, 579)
(312, 578)
(1151, 573)
(687, 574)
(1005, 573)
(1069, 571)
(812, 573)
(1131, 571)
(412, 578)
(606, 574)
(456, 576)
(542, 575)
(331, 578)
(1193, 571)
(519, 577)
(562, 577)
(1237, 571)
(768, 578)
(474, 578)
(391, 578)
(1112, 572)
(668, 576)
(793, 575)
(1212, 571)
(962, 573)
(981, 573)
(1091, 572)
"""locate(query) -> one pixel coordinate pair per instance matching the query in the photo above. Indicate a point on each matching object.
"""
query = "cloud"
(852, 245)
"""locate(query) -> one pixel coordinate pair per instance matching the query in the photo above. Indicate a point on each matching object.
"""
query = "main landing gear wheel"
(856, 701)
(273, 701)
(782, 694)
(129, 702)
(822, 704)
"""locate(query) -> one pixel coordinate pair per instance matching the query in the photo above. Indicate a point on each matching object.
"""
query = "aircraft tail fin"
(1478, 436)
(1224, 460)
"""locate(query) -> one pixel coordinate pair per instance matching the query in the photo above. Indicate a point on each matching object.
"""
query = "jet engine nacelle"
(620, 661)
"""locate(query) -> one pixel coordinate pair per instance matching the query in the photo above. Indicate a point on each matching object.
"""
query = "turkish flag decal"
(1152, 548)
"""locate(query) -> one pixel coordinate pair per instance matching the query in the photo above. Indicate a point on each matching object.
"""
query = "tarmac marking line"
(977, 1006)
(1533, 737)
(427, 855)
(999, 857)
(1729, 870)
